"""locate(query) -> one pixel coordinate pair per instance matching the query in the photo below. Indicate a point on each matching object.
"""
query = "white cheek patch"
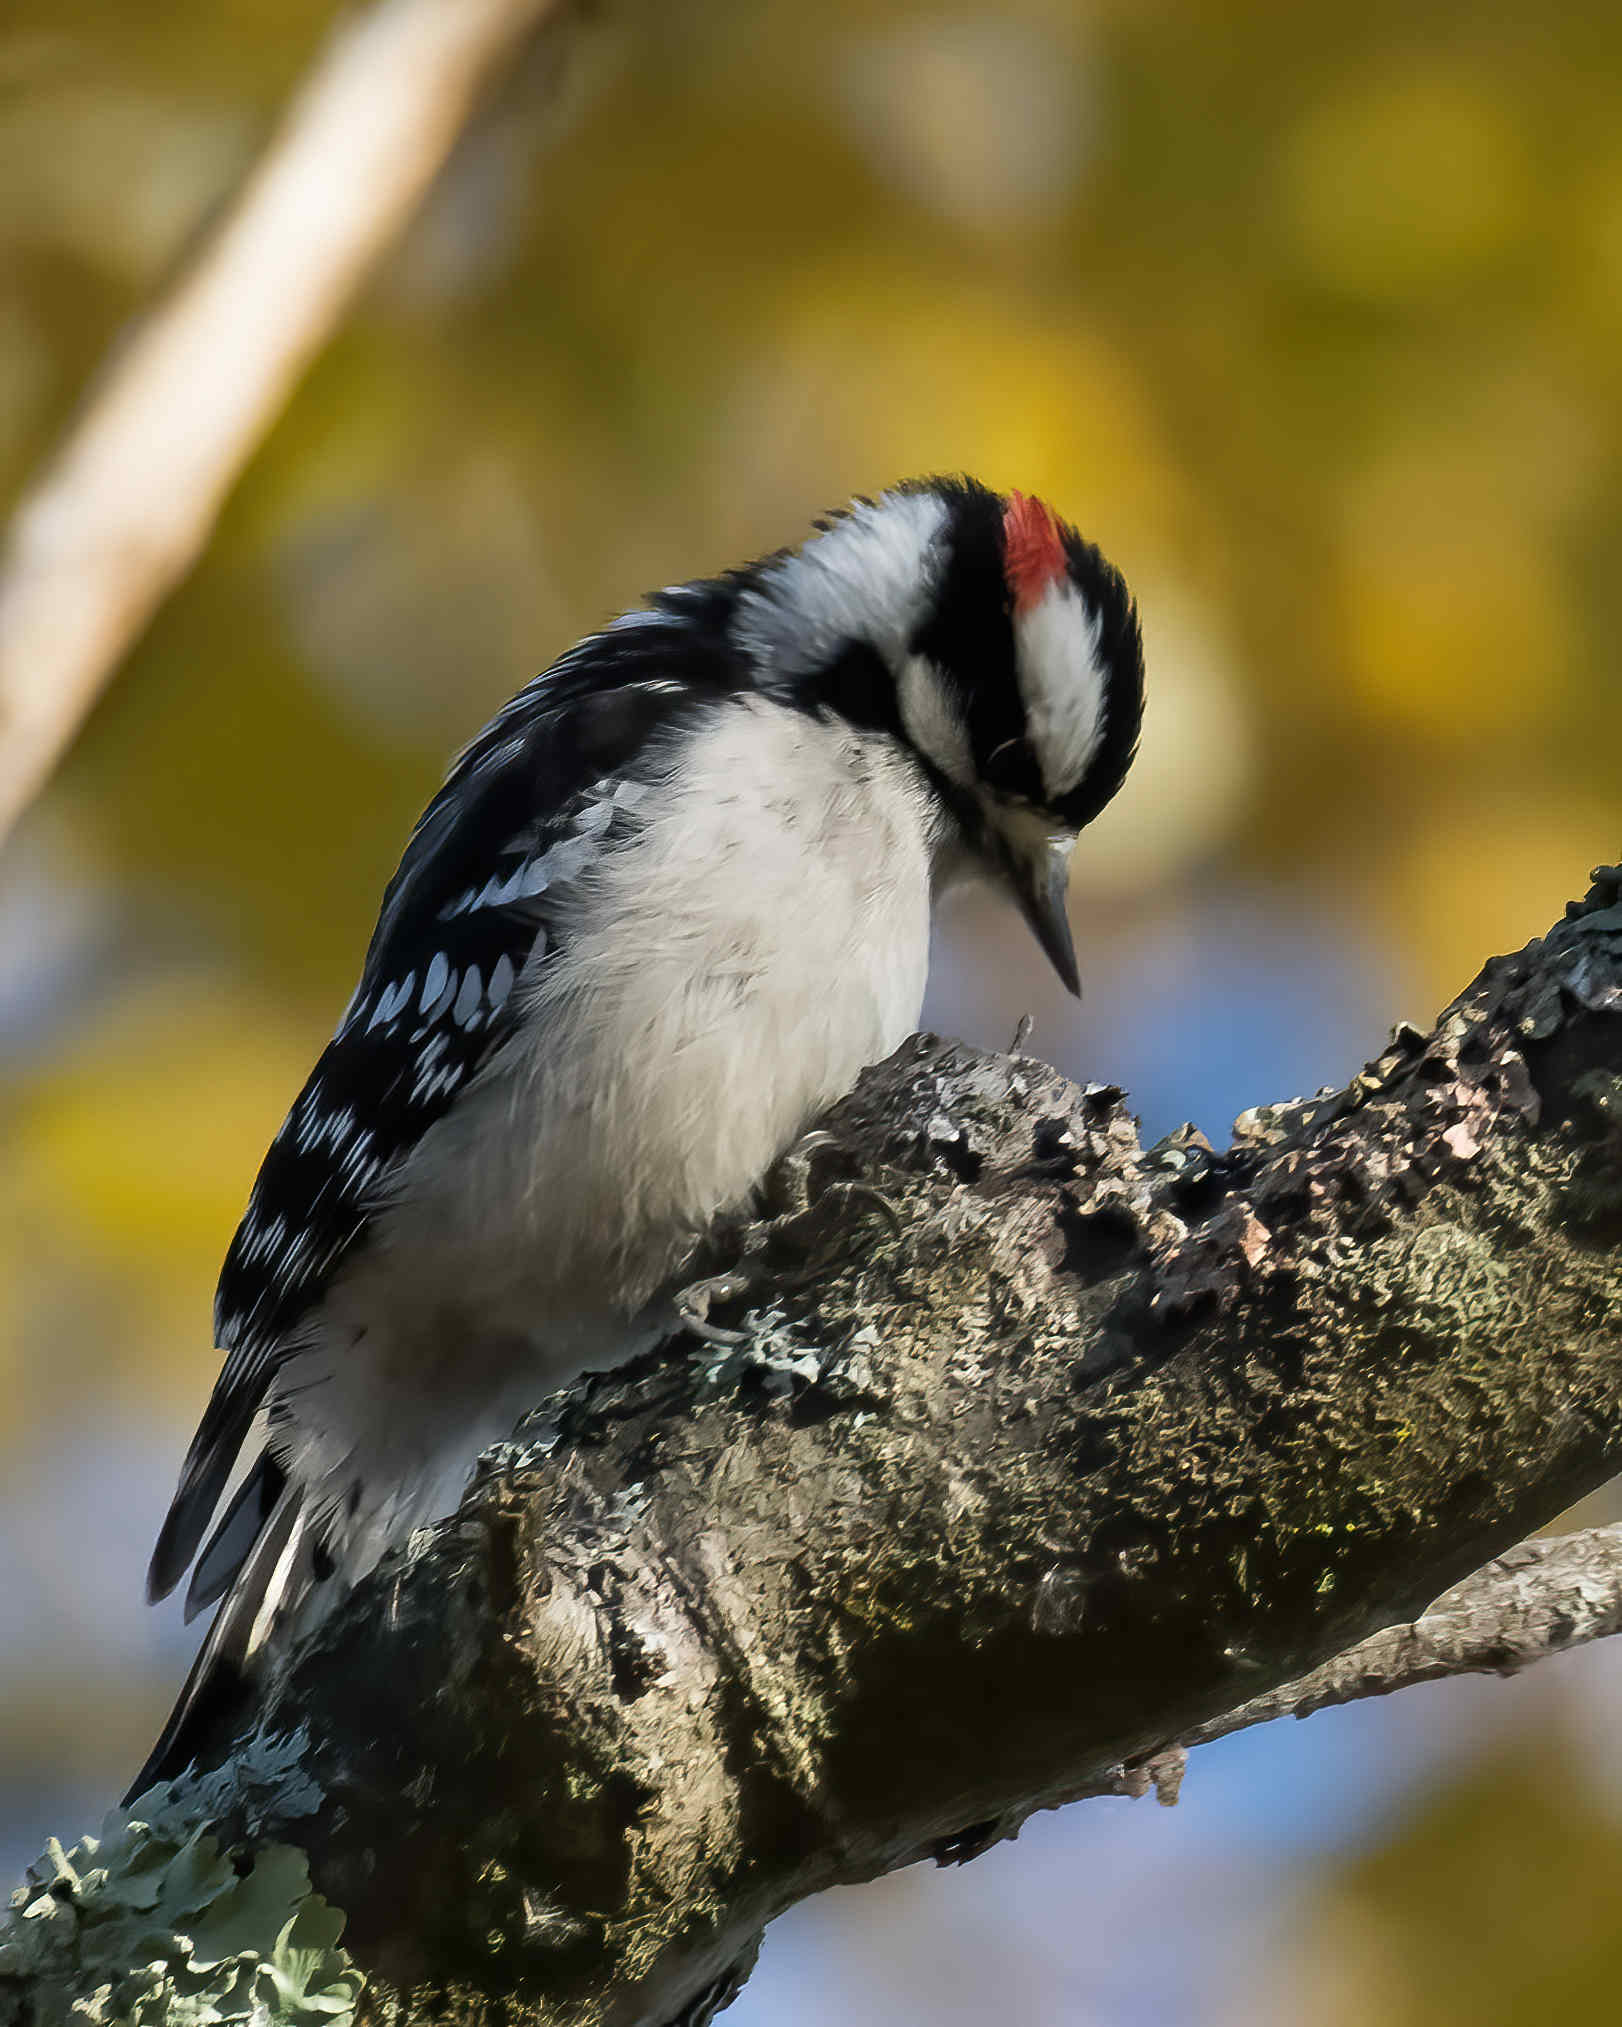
(930, 719)
(1062, 684)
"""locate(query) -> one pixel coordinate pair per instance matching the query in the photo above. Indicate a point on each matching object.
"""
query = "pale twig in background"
(130, 498)
(1539, 1599)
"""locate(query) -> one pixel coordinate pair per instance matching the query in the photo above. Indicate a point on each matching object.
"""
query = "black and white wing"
(555, 780)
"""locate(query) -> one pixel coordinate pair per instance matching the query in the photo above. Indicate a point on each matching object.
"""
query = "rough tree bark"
(1037, 1453)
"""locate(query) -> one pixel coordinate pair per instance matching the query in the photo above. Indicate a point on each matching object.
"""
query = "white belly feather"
(727, 977)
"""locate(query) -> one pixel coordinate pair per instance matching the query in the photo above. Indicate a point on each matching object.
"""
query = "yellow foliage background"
(1312, 317)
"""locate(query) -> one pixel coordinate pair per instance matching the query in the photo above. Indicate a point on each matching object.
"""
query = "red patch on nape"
(1033, 550)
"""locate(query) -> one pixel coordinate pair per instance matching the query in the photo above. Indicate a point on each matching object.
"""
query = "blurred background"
(1311, 317)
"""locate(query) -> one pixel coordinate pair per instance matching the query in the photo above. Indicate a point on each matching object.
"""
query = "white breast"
(728, 976)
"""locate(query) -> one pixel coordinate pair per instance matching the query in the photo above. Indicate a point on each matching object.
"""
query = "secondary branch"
(1036, 1454)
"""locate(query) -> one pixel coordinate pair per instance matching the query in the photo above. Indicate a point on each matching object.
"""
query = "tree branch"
(1037, 1453)
(131, 497)
(1538, 1600)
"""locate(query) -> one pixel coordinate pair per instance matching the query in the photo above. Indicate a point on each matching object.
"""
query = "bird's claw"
(788, 1186)
(792, 1200)
(864, 1192)
(694, 1303)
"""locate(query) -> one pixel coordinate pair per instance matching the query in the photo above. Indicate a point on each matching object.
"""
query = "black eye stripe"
(1013, 770)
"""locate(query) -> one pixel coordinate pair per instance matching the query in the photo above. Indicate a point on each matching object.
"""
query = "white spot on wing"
(1062, 684)
(435, 983)
(392, 1000)
(567, 860)
(595, 818)
(263, 1240)
(430, 1071)
(468, 999)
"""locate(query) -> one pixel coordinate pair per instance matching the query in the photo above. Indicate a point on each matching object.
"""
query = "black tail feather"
(202, 1479)
(232, 1541)
(274, 1575)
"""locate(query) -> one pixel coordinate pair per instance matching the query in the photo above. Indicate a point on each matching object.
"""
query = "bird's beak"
(1039, 866)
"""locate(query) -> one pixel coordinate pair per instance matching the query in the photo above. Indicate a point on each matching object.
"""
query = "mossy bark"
(1039, 1451)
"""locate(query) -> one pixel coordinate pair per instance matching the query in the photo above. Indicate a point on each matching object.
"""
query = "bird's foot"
(698, 1298)
(804, 1234)
(808, 1200)
(791, 1187)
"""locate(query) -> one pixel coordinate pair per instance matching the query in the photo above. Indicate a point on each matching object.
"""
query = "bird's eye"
(1011, 768)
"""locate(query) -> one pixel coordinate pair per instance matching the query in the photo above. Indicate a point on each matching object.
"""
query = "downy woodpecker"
(666, 907)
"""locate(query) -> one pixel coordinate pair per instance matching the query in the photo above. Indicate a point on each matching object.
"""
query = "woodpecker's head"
(1001, 646)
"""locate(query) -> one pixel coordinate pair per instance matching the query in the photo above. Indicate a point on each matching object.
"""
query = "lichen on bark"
(1036, 1452)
